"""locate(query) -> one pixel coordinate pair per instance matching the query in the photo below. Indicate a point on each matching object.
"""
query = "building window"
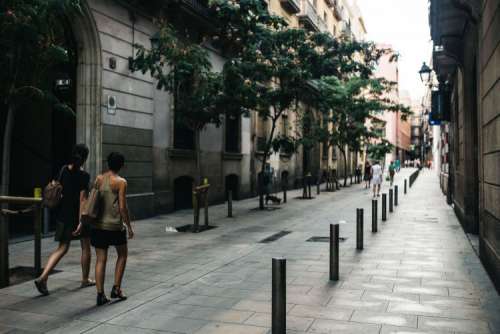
(232, 128)
(183, 136)
(261, 144)
(325, 150)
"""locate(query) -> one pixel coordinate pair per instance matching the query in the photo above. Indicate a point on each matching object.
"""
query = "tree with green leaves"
(182, 67)
(32, 43)
(347, 105)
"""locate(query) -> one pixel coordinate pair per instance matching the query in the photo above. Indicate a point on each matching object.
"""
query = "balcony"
(291, 6)
(197, 8)
(337, 11)
(310, 19)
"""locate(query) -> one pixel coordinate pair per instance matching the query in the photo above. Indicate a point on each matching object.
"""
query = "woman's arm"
(122, 202)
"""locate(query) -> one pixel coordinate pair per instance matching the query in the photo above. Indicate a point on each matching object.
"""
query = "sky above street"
(405, 25)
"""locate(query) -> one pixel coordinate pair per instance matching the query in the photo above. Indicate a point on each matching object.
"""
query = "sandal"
(41, 286)
(116, 292)
(87, 283)
(102, 299)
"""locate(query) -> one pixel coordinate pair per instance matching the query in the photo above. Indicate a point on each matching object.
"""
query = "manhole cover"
(324, 239)
(274, 237)
(190, 228)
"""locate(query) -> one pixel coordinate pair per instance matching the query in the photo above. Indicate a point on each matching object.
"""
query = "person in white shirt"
(377, 174)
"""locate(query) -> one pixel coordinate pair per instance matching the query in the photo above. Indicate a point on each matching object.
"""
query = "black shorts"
(103, 239)
(64, 232)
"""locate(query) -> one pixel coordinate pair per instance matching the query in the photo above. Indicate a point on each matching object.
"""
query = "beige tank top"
(110, 215)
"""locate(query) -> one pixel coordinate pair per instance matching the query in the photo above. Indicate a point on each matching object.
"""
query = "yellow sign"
(37, 192)
(205, 181)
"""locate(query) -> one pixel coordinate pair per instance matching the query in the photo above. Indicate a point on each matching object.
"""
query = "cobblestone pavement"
(418, 274)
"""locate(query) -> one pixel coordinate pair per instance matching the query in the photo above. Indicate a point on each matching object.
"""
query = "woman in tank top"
(112, 227)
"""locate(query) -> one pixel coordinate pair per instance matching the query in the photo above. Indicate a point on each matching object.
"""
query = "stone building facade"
(466, 37)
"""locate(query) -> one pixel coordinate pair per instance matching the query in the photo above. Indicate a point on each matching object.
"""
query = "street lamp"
(425, 74)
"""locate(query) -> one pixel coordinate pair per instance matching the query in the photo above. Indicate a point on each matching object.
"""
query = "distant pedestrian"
(376, 174)
(75, 182)
(398, 165)
(368, 174)
(111, 227)
(392, 171)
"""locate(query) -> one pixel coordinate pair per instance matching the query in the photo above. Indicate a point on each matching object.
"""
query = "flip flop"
(87, 283)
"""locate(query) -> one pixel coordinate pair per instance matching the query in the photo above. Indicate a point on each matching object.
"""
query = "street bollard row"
(279, 264)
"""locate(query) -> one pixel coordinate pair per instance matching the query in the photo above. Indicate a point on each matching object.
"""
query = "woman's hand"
(78, 230)
(130, 232)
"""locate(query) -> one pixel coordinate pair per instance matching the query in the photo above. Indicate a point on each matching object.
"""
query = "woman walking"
(368, 174)
(110, 228)
(74, 181)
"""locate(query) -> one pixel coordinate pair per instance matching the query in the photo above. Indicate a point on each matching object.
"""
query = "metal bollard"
(384, 207)
(374, 216)
(391, 199)
(284, 195)
(359, 228)
(279, 296)
(317, 189)
(230, 203)
(396, 190)
(405, 190)
(334, 252)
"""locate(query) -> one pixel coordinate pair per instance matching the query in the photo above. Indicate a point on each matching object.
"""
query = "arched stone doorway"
(183, 192)
(43, 136)
(233, 184)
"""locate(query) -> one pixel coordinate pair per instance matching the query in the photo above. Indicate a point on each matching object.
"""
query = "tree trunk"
(345, 165)
(267, 150)
(198, 156)
(6, 151)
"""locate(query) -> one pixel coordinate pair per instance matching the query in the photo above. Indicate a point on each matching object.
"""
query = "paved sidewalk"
(418, 274)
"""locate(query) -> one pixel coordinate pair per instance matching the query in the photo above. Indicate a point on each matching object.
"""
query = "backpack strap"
(63, 168)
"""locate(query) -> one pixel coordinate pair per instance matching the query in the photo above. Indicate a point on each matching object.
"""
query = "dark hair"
(115, 161)
(79, 155)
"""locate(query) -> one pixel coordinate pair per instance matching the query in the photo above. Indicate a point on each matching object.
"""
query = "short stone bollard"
(230, 203)
(396, 190)
(391, 200)
(278, 316)
(384, 207)
(359, 228)
(374, 216)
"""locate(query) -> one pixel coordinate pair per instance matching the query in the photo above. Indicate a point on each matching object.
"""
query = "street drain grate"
(324, 239)
(274, 237)
(267, 208)
(190, 228)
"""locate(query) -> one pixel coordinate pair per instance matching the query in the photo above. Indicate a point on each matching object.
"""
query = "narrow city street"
(418, 274)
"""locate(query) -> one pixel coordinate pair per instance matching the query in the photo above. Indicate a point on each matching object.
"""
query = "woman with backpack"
(111, 227)
(74, 181)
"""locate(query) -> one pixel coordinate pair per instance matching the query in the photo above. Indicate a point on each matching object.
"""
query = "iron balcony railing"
(309, 18)
(291, 6)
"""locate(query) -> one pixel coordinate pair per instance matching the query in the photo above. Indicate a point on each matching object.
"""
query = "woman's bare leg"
(121, 262)
(54, 259)
(85, 259)
(100, 268)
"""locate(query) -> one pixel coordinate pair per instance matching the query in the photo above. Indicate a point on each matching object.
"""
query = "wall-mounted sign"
(111, 106)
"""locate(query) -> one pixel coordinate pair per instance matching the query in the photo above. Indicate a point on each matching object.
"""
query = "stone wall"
(141, 126)
(489, 66)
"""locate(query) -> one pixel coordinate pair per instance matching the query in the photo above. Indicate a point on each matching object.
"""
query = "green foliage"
(184, 69)
(379, 150)
(32, 42)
